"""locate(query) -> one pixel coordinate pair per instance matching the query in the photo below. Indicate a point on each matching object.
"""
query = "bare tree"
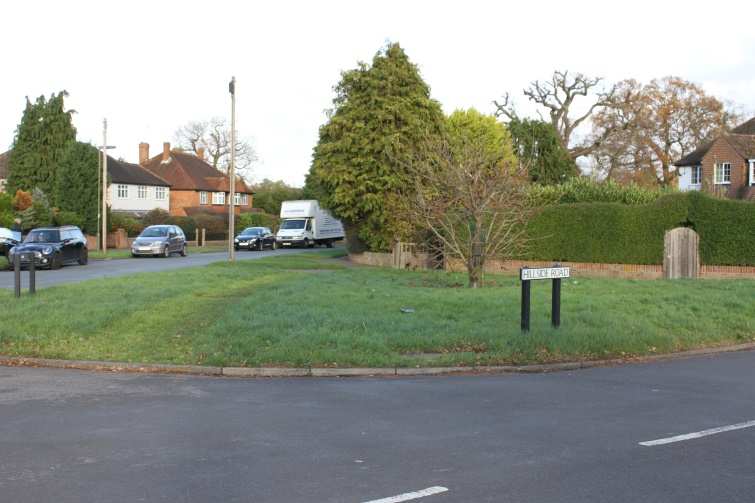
(214, 136)
(473, 200)
(558, 95)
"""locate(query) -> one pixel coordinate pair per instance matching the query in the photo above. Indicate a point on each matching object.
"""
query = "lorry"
(305, 224)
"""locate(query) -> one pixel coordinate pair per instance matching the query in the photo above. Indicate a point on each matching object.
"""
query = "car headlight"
(157, 243)
(236, 240)
(47, 250)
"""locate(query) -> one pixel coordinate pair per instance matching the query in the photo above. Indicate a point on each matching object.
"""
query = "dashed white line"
(698, 434)
(411, 496)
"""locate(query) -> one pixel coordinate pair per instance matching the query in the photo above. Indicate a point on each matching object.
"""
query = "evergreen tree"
(537, 142)
(269, 195)
(76, 187)
(381, 114)
(40, 141)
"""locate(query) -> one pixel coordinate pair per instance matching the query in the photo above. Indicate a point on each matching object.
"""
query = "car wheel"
(56, 261)
(166, 251)
(305, 243)
(329, 244)
(236, 248)
(84, 257)
(273, 246)
(184, 251)
(259, 245)
(134, 255)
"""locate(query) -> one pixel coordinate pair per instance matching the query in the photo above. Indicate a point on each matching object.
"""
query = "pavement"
(157, 368)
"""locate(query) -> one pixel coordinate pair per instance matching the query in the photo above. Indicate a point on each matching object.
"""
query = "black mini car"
(255, 238)
(51, 247)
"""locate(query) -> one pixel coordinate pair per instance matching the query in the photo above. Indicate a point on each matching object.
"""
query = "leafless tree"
(473, 202)
(558, 95)
(214, 136)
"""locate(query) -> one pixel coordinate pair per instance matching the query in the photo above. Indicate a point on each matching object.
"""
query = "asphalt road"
(80, 436)
(103, 268)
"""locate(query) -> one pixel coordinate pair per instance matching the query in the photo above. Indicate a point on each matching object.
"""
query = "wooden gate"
(680, 254)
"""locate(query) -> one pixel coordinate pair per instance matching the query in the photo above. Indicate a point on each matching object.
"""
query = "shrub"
(157, 216)
(69, 218)
(245, 220)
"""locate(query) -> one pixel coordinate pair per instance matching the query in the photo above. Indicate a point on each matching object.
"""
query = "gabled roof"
(188, 172)
(741, 138)
(133, 174)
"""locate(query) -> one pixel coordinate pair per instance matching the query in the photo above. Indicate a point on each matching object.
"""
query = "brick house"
(134, 190)
(727, 164)
(196, 186)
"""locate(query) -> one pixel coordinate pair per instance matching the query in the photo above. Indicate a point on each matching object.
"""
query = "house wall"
(180, 199)
(685, 179)
(133, 203)
(722, 151)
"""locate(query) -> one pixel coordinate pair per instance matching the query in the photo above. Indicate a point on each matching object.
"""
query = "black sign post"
(555, 273)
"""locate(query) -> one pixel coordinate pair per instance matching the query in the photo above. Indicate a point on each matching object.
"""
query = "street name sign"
(526, 274)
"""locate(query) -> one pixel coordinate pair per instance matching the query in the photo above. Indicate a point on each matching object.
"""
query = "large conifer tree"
(536, 142)
(381, 114)
(76, 186)
(41, 139)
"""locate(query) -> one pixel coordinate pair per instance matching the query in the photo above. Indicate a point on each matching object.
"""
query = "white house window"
(122, 191)
(203, 197)
(752, 172)
(142, 192)
(160, 193)
(241, 199)
(723, 172)
(697, 175)
(218, 198)
(245, 199)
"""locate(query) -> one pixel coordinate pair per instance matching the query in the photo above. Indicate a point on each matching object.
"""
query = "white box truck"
(305, 224)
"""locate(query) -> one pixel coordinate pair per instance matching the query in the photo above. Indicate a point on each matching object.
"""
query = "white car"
(6, 240)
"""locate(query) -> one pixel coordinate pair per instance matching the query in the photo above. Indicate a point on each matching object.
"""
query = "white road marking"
(698, 434)
(411, 496)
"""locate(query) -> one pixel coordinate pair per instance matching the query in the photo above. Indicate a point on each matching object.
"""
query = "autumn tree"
(657, 124)
(214, 136)
(269, 195)
(381, 113)
(537, 143)
(558, 96)
(470, 192)
(41, 139)
(74, 189)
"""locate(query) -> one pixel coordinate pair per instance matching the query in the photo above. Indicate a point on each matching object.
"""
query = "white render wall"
(133, 203)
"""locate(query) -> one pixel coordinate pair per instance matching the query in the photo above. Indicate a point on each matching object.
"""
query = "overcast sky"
(150, 67)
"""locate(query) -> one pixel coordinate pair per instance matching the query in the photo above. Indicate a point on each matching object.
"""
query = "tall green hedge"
(634, 234)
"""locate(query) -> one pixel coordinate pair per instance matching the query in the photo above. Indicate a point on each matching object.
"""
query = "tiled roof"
(188, 172)
(125, 172)
(742, 138)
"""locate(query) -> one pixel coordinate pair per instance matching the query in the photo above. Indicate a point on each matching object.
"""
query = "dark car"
(51, 247)
(160, 241)
(255, 238)
(6, 240)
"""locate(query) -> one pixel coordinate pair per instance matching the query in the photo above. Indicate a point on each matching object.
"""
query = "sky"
(150, 67)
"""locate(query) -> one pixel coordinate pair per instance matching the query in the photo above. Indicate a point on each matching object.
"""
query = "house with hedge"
(196, 186)
(727, 164)
(133, 190)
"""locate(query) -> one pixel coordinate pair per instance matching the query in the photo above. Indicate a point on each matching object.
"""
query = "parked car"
(52, 247)
(255, 238)
(160, 241)
(6, 240)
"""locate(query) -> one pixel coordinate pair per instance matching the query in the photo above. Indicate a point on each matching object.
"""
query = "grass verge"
(276, 311)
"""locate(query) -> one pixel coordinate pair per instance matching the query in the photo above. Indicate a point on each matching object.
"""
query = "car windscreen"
(42, 237)
(251, 232)
(292, 224)
(154, 232)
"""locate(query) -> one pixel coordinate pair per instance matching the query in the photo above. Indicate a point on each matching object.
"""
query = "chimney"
(166, 151)
(143, 152)
(200, 153)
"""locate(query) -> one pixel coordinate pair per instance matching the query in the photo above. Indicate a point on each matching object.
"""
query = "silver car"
(160, 241)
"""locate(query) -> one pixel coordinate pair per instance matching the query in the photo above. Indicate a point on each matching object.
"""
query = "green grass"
(275, 311)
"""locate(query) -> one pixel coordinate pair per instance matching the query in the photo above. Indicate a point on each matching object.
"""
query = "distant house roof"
(133, 174)
(741, 138)
(189, 172)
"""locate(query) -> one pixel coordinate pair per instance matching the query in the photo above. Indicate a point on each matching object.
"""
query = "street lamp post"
(104, 188)
(232, 192)
(102, 151)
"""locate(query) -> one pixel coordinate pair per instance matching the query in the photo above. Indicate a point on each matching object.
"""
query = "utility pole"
(231, 226)
(101, 152)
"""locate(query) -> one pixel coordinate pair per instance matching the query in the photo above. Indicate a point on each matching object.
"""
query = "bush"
(157, 216)
(726, 228)
(133, 226)
(69, 218)
(187, 224)
(245, 220)
(585, 190)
